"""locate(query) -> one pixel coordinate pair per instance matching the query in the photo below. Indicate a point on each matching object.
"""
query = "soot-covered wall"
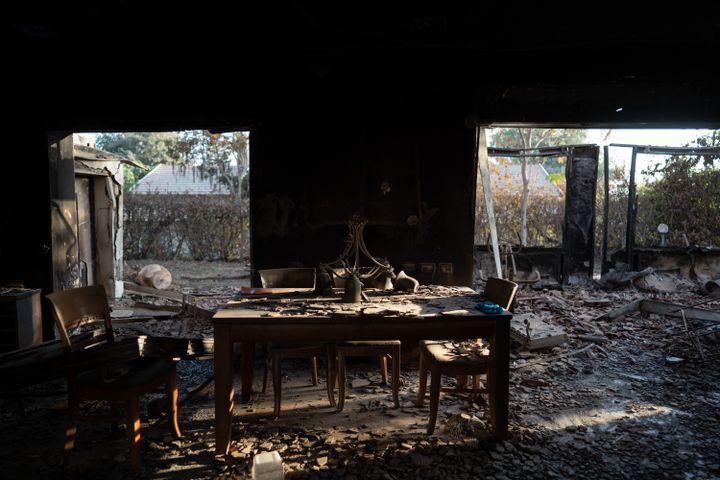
(413, 181)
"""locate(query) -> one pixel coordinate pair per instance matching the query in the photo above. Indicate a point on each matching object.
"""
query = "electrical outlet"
(427, 267)
(445, 268)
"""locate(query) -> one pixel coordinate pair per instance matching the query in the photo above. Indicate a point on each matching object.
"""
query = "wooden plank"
(619, 312)
(484, 168)
(108, 232)
(135, 288)
(152, 306)
(674, 310)
(64, 215)
(85, 224)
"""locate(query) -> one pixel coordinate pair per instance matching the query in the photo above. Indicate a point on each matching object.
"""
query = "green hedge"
(193, 227)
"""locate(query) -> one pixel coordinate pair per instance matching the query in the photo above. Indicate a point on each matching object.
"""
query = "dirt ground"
(635, 402)
(191, 276)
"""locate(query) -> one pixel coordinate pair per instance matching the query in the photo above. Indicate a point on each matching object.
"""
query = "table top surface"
(429, 301)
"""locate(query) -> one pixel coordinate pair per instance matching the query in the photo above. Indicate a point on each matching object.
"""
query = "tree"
(682, 191)
(222, 156)
(145, 148)
(219, 155)
(529, 139)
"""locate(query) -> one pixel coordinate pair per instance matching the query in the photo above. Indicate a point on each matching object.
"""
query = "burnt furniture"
(433, 313)
(439, 358)
(20, 318)
(115, 383)
(287, 278)
(381, 348)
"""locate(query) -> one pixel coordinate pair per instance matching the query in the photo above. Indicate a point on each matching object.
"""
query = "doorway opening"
(178, 199)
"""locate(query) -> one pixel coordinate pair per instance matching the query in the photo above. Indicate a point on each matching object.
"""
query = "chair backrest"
(71, 307)
(287, 278)
(500, 291)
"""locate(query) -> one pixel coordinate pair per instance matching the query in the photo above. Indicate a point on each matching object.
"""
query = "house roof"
(508, 177)
(175, 179)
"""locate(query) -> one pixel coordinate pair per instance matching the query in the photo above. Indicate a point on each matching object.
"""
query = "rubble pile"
(622, 397)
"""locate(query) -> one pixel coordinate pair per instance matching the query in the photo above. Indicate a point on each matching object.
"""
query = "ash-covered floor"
(635, 402)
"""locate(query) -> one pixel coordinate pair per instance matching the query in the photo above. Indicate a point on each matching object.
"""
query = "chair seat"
(369, 343)
(442, 353)
(127, 376)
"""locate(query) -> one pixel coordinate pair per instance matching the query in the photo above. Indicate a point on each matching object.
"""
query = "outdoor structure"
(96, 256)
(180, 180)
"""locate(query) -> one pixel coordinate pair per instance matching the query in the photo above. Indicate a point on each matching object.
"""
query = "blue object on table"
(489, 307)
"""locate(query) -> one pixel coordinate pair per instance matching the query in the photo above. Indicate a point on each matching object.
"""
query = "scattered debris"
(625, 385)
(657, 282)
(534, 334)
(621, 276)
(465, 425)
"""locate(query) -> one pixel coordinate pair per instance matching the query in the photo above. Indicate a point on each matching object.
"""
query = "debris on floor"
(627, 394)
(533, 334)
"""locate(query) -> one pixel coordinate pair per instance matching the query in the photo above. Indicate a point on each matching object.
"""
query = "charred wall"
(413, 180)
(579, 230)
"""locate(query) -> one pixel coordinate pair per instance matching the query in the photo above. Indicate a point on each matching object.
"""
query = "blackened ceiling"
(131, 64)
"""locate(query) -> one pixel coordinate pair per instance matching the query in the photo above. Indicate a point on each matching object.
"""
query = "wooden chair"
(277, 352)
(115, 383)
(381, 349)
(437, 358)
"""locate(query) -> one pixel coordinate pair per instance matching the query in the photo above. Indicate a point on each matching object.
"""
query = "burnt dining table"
(285, 315)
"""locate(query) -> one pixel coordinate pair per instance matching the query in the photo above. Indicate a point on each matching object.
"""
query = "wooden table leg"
(499, 379)
(247, 368)
(224, 388)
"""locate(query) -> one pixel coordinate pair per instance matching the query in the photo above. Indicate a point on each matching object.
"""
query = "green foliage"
(681, 191)
(535, 217)
(144, 148)
(617, 207)
(222, 156)
(219, 155)
(545, 214)
(684, 193)
(536, 138)
(197, 227)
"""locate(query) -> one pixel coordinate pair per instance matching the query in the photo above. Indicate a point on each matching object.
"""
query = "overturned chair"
(123, 383)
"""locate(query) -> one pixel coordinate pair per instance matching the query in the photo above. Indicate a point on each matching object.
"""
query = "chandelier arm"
(367, 253)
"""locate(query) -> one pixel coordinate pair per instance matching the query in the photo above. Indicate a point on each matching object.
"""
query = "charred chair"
(276, 352)
(123, 383)
(437, 357)
(381, 349)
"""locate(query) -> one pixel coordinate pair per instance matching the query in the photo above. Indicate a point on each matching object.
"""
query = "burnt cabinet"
(20, 318)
